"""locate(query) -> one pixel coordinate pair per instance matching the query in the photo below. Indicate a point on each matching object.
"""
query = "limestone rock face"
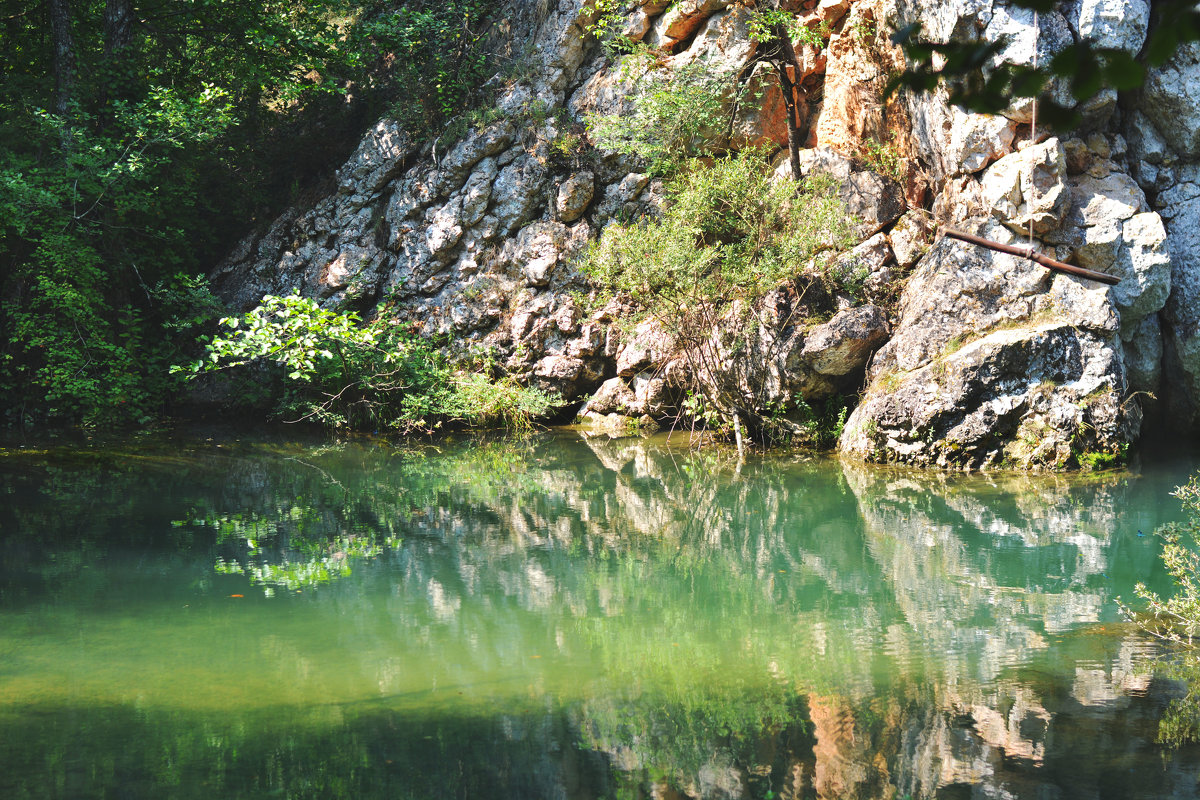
(1171, 101)
(574, 195)
(874, 200)
(770, 362)
(911, 237)
(381, 156)
(1118, 24)
(1029, 187)
(1182, 334)
(479, 237)
(994, 362)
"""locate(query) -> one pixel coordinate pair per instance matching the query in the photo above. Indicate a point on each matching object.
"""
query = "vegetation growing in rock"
(329, 368)
(677, 115)
(730, 232)
(437, 60)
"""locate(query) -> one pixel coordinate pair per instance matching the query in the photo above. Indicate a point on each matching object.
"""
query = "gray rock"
(1181, 211)
(1143, 351)
(613, 397)
(517, 194)
(1146, 142)
(620, 196)
(443, 229)
(477, 191)
(1029, 186)
(976, 140)
(574, 195)
(994, 361)
(1030, 396)
(1144, 264)
(1025, 45)
(380, 157)
(911, 237)
(648, 345)
(644, 394)
(844, 344)
(1117, 24)
(453, 170)
(1171, 100)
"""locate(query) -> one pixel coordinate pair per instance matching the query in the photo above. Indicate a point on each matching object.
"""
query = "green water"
(215, 616)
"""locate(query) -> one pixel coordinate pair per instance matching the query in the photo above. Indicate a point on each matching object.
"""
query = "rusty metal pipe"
(1032, 255)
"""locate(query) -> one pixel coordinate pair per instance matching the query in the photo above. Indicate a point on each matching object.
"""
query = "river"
(206, 614)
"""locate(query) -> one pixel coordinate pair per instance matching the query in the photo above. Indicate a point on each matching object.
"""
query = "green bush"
(730, 231)
(331, 369)
(135, 170)
(677, 114)
(436, 57)
(1176, 620)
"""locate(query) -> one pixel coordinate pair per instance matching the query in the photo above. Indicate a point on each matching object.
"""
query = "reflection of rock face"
(928, 545)
(623, 614)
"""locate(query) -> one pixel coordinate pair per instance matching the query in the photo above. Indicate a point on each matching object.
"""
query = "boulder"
(642, 395)
(843, 345)
(769, 360)
(613, 397)
(1108, 229)
(871, 263)
(995, 361)
(540, 248)
(453, 170)
(1042, 395)
(1029, 186)
(574, 194)
(648, 345)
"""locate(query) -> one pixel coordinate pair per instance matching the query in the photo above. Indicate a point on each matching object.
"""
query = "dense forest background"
(138, 141)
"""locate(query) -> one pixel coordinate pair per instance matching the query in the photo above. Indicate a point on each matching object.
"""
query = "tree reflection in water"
(567, 617)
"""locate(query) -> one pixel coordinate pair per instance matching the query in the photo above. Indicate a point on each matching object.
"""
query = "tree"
(123, 130)
(776, 31)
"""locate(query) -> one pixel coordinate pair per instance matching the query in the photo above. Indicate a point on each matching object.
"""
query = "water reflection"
(567, 617)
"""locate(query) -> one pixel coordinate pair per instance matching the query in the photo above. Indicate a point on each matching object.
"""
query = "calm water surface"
(223, 617)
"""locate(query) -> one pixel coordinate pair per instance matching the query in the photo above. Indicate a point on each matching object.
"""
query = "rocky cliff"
(969, 358)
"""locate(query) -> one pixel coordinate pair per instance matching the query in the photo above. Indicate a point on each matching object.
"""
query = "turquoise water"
(221, 616)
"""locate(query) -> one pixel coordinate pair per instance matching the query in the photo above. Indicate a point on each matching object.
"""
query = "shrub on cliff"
(327, 367)
(730, 231)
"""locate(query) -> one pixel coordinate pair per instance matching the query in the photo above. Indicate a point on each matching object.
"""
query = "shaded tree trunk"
(785, 58)
(118, 27)
(64, 54)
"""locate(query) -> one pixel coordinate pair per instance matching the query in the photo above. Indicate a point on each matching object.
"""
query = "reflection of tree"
(575, 609)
